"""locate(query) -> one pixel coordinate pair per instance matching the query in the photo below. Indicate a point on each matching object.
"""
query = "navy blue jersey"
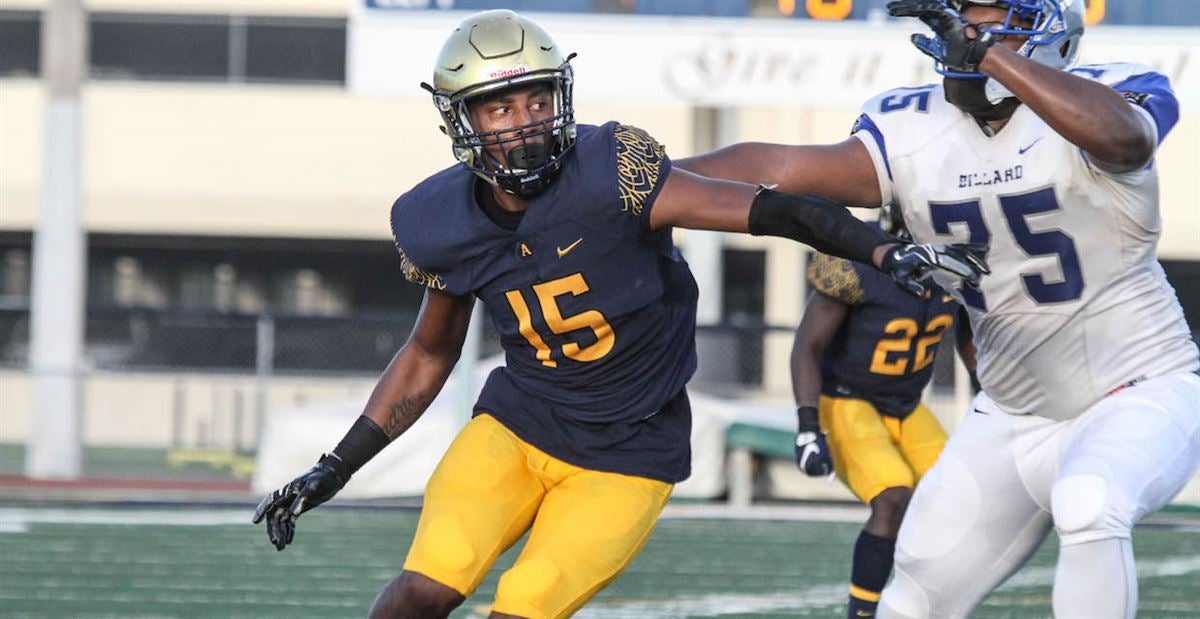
(884, 349)
(596, 313)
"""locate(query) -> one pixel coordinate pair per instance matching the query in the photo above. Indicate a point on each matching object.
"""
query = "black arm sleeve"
(825, 225)
(364, 440)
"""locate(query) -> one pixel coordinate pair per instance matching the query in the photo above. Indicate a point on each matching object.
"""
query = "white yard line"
(17, 519)
(849, 512)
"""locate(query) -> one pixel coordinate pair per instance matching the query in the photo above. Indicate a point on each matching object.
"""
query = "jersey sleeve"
(1144, 88)
(422, 260)
(1151, 92)
(642, 166)
(835, 278)
(867, 131)
(893, 123)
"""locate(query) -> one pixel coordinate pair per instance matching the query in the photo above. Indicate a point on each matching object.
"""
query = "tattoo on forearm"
(404, 413)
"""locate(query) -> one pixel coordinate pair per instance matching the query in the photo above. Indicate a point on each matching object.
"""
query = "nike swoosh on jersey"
(562, 252)
(1022, 151)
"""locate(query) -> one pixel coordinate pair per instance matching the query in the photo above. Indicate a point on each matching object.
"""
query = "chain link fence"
(202, 384)
(145, 340)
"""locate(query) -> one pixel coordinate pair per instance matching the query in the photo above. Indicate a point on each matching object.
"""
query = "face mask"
(971, 96)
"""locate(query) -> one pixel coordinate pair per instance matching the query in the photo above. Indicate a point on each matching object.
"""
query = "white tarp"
(735, 62)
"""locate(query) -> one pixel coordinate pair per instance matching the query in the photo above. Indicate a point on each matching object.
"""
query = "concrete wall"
(142, 409)
(318, 162)
(292, 161)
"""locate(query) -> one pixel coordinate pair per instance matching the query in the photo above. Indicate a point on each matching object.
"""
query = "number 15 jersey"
(1077, 304)
(596, 312)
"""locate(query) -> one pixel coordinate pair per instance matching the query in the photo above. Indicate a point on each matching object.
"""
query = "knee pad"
(1081, 506)
(529, 582)
(449, 546)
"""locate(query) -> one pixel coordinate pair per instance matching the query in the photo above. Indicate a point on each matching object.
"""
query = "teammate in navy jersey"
(1089, 418)
(564, 232)
(863, 354)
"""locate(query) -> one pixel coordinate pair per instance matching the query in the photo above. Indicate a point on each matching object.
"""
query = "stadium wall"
(326, 162)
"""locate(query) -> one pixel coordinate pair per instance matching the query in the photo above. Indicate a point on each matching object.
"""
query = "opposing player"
(564, 232)
(863, 354)
(1090, 413)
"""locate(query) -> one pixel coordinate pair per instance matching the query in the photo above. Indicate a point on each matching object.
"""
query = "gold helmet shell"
(489, 52)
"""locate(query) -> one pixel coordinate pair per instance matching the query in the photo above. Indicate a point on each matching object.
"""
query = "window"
(307, 50)
(744, 283)
(144, 46)
(217, 48)
(20, 38)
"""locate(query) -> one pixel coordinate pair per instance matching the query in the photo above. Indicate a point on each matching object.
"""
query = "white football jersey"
(1077, 304)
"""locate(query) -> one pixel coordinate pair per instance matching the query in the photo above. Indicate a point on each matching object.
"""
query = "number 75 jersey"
(1077, 304)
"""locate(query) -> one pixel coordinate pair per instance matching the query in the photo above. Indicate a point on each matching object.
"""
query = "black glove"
(952, 46)
(283, 506)
(909, 265)
(812, 450)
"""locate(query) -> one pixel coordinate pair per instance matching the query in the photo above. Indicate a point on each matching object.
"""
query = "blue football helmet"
(1053, 38)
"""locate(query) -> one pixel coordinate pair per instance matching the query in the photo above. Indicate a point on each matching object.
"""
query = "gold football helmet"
(489, 52)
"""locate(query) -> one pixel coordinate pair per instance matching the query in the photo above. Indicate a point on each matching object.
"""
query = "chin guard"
(971, 96)
(528, 156)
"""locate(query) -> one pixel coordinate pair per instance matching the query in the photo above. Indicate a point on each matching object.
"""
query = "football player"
(863, 354)
(564, 232)
(1089, 417)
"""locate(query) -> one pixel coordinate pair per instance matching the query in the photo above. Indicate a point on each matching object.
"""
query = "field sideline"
(772, 562)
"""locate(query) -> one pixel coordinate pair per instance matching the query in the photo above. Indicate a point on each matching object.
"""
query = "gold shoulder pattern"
(836, 278)
(417, 275)
(639, 164)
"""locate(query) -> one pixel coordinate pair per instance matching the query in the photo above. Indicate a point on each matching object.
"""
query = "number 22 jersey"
(1077, 304)
(596, 312)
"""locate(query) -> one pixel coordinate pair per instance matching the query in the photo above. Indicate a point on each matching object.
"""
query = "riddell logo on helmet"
(513, 72)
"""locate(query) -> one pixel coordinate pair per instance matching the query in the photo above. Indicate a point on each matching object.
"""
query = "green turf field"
(191, 562)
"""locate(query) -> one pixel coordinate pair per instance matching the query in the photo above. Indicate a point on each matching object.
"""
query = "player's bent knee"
(903, 598)
(449, 548)
(528, 583)
(892, 502)
(887, 511)
(1080, 505)
(412, 594)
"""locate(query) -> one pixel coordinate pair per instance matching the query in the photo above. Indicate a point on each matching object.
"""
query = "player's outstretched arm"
(407, 387)
(822, 318)
(842, 172)
(1088, 114)
(688, 200)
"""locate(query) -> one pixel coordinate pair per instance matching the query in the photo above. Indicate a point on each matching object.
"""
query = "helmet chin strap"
(973, 97)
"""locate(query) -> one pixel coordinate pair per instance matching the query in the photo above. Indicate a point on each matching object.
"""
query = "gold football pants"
(872, 453)
(491, 487)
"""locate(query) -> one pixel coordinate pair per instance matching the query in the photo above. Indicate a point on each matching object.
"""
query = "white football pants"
(1004, 480)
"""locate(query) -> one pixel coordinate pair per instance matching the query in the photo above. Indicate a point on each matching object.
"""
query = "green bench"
(744, 442)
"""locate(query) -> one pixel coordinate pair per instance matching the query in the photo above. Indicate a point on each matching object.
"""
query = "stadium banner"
(726, 62)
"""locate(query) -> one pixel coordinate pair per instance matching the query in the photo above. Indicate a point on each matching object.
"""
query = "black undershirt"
(509, 220)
